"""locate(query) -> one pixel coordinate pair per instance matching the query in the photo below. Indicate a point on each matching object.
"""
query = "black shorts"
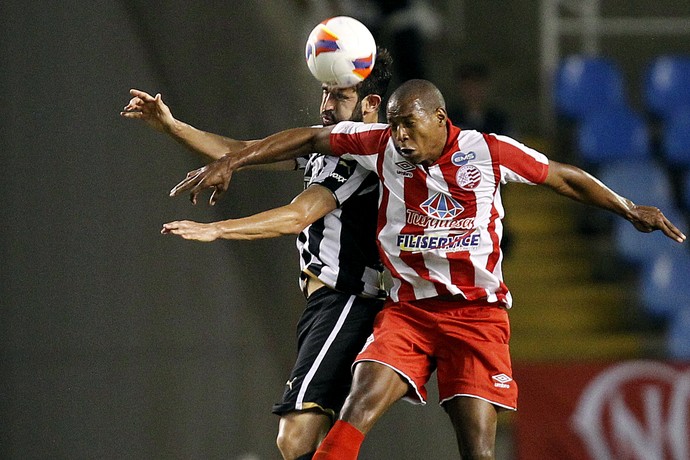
(330, 333)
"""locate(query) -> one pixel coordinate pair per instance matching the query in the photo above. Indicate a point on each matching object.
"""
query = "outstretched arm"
(579, 185)
(309, 206)
(156, 114)
(281, 146)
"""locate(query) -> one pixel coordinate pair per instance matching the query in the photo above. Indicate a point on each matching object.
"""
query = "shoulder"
(359, 138)
(354, 127)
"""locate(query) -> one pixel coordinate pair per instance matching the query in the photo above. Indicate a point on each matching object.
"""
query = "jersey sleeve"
(343, 177)
(520, 163)
(355, 138)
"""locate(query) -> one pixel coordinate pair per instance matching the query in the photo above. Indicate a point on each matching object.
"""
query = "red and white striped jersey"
(439, 227)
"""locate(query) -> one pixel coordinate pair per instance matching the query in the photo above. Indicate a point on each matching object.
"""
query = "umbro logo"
(501, 380)
(405, 165)
(405, 168)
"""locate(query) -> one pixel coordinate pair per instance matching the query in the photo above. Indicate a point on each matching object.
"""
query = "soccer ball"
(341, 52)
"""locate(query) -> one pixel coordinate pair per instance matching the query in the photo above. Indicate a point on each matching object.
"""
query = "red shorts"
(465, 342)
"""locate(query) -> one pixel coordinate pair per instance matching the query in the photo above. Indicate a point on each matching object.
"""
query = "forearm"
(285, 165)
(282, 146)
(307, 207)
(285, 145)
(268, 224)
(212, 146)
(581, 186)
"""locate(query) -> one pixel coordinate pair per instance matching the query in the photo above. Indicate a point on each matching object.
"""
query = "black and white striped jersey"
(340, 249)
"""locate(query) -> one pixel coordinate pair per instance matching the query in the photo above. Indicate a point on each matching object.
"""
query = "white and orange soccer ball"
(341, 51)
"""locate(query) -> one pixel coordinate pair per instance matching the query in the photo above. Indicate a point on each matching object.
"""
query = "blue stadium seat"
(612, 134)
(675, 138)
(644, 181)
(678, 335)
(685, 197)
(664, 286)
(587, 83)
(666, 84)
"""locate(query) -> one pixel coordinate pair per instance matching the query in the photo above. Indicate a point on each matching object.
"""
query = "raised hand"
(150, 109)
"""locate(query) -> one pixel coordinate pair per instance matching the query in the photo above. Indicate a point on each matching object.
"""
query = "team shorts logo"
(501, 380)
(441, 206)
(338, 177)
(468, 177)
(462, 158)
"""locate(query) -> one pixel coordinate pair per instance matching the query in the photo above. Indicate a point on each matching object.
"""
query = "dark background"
(117, 342)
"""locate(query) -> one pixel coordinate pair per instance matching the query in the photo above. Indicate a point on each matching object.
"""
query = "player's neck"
(372, 117)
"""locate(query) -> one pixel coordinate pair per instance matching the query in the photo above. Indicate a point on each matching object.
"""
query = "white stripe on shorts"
(322, 353)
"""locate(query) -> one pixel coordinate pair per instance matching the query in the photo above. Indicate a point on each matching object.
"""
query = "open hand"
(214, 176)
(190, 230)
(150, 109)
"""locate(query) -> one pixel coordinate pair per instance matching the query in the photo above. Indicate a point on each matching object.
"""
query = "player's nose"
(401, 135)
(328, 102)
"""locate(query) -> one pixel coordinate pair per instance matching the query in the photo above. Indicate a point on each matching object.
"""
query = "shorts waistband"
(448, 303)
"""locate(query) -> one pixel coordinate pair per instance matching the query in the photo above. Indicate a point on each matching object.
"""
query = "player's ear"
(371, 103)
(441, 115)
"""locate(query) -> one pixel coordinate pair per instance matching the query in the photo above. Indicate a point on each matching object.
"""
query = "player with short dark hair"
(439, 234)
(335, 218)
